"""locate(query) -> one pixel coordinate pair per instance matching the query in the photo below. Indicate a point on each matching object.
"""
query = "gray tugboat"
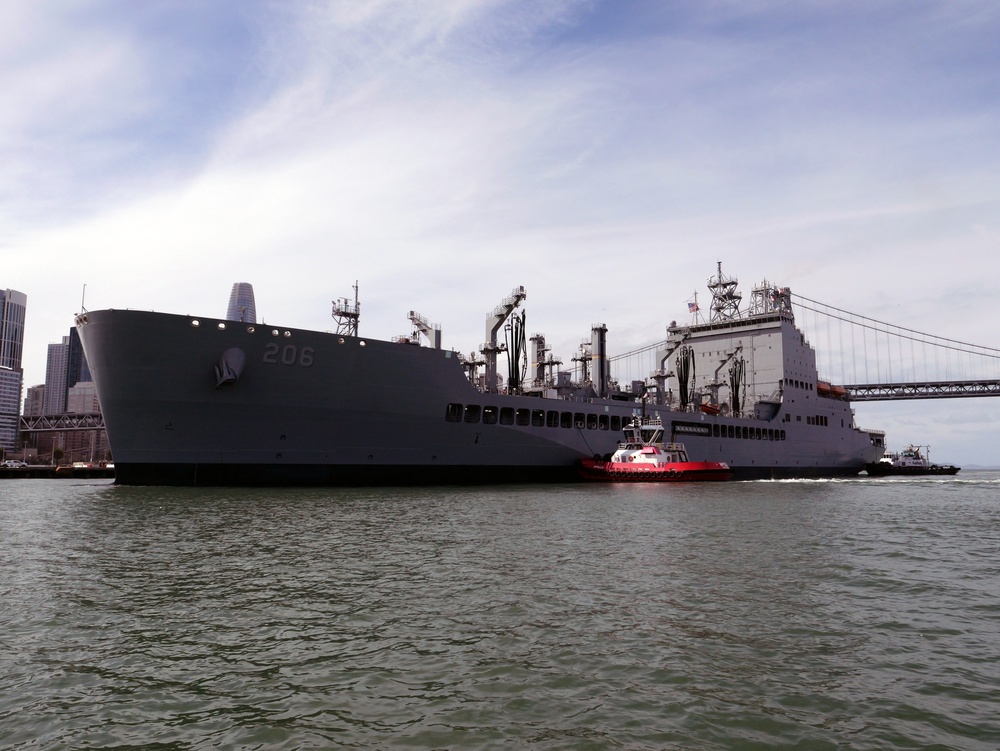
(191, 400)
(909, 461)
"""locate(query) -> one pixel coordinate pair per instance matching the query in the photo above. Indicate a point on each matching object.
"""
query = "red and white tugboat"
(643, 457)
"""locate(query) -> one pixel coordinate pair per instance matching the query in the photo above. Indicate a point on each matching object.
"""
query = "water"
(858, 614)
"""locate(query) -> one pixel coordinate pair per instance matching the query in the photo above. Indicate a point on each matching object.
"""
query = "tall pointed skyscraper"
(241, 304)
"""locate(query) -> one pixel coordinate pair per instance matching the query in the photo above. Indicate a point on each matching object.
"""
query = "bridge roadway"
(880, 392)
(61, 423)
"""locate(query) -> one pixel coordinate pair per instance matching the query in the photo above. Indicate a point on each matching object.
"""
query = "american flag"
(692, 307)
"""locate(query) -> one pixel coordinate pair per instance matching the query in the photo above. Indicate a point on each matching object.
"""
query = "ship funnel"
(538, 352)
(600, 368)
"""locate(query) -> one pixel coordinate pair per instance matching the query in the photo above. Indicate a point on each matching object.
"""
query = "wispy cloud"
(444, 152)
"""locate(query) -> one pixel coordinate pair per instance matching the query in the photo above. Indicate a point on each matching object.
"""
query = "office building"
(69, 389)
(12, 309)
(65, 367)
(34, 401)
(77, 369)
(84, 445)
(56, 370)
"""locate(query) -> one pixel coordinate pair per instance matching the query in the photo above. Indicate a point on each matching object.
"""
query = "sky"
(604, 154)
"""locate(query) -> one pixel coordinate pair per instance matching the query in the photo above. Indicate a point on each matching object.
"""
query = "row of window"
(798, 384)
(811, 420)
(539, 418)
(817, 420)
(747, 432)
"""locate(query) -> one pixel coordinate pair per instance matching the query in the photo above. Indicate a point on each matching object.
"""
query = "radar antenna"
(767, 298)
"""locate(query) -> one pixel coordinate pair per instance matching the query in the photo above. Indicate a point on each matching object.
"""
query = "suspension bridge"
(871, 360)
(878, 361)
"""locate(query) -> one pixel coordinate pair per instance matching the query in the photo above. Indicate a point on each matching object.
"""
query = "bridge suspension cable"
(896, 353)
(873, 359)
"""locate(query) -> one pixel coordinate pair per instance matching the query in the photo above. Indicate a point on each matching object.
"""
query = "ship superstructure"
(197, 401)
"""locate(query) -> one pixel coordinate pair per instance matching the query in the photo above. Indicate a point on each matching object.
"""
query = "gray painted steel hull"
(314, 408)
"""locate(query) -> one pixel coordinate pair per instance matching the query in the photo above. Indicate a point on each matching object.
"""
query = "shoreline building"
(65, 367)
(34, 401)
(12, 309)
(241, 304)
(68, 389)
(84, 445)
(56, 369)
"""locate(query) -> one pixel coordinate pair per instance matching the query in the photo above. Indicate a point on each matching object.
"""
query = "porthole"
(362, 343)
(288, 334)
(195, 322)
(250, 329)
(340, 340)
(274, 332)
(221, 325)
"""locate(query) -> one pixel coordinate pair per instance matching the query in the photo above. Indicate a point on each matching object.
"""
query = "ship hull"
(316, 408)
(879, 469)
(313, 475)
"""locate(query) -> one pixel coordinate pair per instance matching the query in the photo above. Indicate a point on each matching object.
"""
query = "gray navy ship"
(203, 401)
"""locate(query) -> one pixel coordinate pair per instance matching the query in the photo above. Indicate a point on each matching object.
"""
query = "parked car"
(14, 464)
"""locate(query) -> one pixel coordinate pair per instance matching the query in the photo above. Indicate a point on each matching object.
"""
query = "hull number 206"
(288, 354)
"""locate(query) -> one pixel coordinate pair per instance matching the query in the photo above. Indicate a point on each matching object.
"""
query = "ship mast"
(347, 314)
(725, 298)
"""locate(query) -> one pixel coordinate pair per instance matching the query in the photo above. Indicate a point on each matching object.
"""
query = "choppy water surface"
(861, 614)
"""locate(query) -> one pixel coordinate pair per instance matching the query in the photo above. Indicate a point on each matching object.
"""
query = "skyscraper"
(68, 389)
(56, 370)
(12, 308)
(241, 304)
(34, 401)
(65, 367)
(77, 369)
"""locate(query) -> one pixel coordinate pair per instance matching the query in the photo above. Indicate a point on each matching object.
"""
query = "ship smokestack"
(600, 368)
